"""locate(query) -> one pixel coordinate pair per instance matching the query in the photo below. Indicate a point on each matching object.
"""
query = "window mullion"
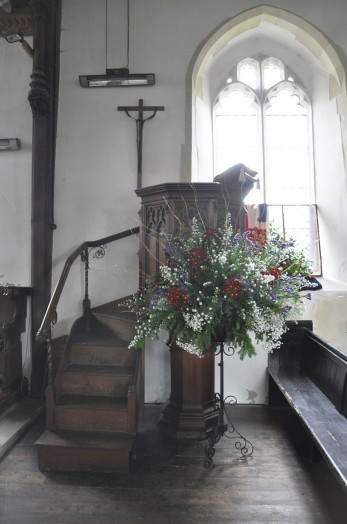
(262, 148)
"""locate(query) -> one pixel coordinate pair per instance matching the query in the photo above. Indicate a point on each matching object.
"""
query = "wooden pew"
(311, 375)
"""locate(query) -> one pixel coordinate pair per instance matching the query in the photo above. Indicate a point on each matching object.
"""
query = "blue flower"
(286, 309)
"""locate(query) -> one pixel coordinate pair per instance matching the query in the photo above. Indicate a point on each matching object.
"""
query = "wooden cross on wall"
(140, 122)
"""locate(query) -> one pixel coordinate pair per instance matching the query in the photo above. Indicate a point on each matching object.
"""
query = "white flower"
(190, 348)
(194, 321)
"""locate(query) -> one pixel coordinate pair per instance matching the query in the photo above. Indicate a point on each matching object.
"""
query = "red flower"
(274, 271)
(231, 287)
(197, 257)
(177, 298)
(257, 236)
(197, 253)
(209, 233)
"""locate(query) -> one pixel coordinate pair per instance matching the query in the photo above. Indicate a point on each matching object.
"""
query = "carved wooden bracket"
(38, 96)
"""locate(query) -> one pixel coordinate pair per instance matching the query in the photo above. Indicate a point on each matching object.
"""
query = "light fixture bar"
(9, 144)
(117, 78)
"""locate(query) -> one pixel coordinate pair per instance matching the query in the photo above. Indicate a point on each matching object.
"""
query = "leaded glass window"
(262, 118)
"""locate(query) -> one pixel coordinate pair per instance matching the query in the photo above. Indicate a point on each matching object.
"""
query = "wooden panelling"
(325, 366)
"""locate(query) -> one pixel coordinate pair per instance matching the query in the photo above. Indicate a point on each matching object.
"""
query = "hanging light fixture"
(15, 37)
(118, 77)
(9, 144)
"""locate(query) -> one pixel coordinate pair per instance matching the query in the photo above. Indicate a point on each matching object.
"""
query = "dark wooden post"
(42, 100)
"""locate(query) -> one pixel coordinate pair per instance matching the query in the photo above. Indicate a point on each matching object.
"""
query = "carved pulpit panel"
(169, 208)
(155, 221)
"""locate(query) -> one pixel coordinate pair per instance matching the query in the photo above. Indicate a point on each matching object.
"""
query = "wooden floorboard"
(169, 483)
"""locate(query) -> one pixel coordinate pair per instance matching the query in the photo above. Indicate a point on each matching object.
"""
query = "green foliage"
(249, 284)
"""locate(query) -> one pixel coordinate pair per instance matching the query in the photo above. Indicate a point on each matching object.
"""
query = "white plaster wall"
(331, 188)
(96, 154)
(96, 160)
(327, 308)
(15, 177)
(15, 166)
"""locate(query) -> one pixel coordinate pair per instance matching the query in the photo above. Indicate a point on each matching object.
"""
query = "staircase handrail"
(44, 330)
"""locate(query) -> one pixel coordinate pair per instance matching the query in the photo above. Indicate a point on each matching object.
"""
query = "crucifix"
(140, 122)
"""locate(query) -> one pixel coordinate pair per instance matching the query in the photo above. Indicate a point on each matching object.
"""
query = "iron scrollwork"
(224, 425)
(99, 252)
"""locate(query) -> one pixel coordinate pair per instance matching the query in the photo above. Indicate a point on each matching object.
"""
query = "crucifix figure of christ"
(140, 122)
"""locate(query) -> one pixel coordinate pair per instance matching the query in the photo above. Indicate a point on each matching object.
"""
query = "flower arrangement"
(249, 284)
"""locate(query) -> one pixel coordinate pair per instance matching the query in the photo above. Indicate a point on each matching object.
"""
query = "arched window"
(262, 118)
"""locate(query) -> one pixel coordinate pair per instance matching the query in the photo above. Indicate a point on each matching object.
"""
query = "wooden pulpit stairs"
(94, 404)
(92, 409)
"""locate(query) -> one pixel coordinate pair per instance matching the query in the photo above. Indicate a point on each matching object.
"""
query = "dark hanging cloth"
(262, 213)
(312, 285)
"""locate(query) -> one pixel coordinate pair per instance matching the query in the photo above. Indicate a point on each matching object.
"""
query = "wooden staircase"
(95, 406)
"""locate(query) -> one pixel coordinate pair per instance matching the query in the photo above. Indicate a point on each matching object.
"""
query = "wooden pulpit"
(190, 411)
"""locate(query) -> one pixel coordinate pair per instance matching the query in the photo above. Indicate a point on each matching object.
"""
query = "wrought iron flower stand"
(224, 425)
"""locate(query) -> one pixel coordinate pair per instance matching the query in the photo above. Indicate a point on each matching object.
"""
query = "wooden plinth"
(190, 412)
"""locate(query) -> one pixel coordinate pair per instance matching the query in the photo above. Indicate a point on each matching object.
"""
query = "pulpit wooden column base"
(191, 411)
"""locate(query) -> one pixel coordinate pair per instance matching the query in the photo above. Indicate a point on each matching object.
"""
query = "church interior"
(119, 120)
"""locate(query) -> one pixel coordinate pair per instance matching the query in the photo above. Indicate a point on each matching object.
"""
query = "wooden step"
(122, 323)
(79, 379)
(102, 352)
(83, 413)
(93, 452)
